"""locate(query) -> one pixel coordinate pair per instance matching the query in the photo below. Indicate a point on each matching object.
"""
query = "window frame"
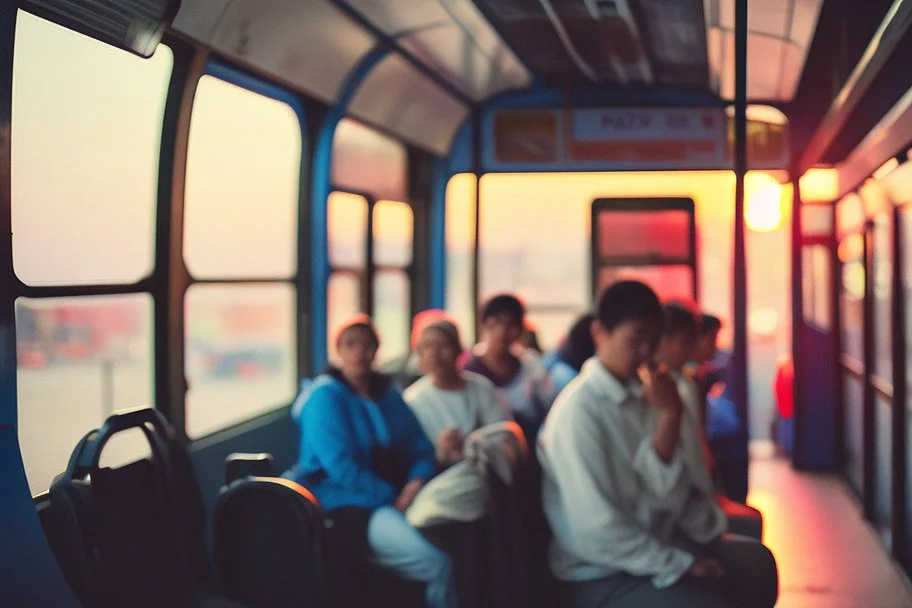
(178, 286)
(367, 275)
(632, 205)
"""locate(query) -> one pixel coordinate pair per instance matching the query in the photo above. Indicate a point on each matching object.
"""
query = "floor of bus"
(828, 556)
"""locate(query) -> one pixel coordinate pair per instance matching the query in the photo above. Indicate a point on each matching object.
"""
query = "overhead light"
(134, 25)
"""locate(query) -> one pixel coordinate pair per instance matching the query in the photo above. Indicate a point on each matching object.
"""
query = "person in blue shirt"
(365, 457)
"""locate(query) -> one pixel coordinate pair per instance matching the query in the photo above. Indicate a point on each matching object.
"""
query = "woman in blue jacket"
(363, 451)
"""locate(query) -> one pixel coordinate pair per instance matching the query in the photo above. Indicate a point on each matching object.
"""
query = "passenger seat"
(132, 536)
(268, 538)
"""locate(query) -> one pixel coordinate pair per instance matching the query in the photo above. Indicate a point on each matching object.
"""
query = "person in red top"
(783, 389)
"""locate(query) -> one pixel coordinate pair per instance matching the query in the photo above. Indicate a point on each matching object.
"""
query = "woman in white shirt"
(449, 403)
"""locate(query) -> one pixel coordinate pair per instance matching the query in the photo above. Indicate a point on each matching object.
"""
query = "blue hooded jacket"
(339, 431)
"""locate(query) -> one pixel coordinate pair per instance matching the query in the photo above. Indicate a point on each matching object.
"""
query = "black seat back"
(520, 538)
(239, 465)
(117, 533)
(268, 540)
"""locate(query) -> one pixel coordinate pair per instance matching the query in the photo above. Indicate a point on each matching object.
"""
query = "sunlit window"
(343, 300)
(79, 359)
(86, 132)
(347, 230)
(365, 160)
(239, 353)
(393, 228)
(243, 179)
(392, 313)
(817, 285)
(460, 252)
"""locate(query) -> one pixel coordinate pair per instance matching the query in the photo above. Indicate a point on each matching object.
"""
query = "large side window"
(241, 214)
(851, 253)
(648, 240)
(371, 241)
(86, 131)
(460, 252)
(392, 228)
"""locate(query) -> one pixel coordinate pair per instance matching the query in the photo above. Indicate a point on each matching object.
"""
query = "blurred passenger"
(783, 388)
(678, 341)
(565, 362)
(725, 428)
(449, 403)
(628, 531)
(518, 376)
(529, 339)
(365, 457)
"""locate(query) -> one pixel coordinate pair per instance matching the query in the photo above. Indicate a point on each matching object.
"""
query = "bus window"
(243, 162)
(347, 231)
(650, 240)
(343, 300)
(393, 229)
(882, 269)
(816, 285)
(669, 282)
(392, 313)
(365, 160)
(239, 357)
(79, 359)
(460, 252)
(347, 217)
(86, 132)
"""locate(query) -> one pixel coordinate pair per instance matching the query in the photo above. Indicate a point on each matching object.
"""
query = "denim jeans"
(400, 548)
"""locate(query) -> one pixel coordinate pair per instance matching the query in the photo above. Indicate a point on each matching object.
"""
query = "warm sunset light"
(763, 208)
(851, 248)
(820, 185)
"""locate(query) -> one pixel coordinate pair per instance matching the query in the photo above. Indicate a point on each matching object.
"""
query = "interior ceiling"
(481, 48)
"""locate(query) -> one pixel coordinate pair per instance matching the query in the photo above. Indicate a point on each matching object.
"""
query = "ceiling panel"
(781, 32)
(449, 52)
(450, 36)
(307, 42)
(415, 109)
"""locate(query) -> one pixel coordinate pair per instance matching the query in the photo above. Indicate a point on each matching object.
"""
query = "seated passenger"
(616, 493)
(529, 338)
(724, 426)
(449, 404)
(518, 375)
(364, 456)
(783, 388)
(676, 344)
(565, 362)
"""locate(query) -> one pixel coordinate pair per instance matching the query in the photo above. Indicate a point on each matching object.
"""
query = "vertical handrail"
(739, 352)
(797, 325)
(899, 436)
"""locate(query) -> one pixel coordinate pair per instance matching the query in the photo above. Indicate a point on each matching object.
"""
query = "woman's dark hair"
(578, 346)
(629, 301)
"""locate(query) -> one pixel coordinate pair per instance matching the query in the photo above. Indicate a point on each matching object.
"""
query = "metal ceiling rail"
(878, 52)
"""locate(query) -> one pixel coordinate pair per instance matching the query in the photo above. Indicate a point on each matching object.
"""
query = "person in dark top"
(565, 362)
(518, 375)
(725, 428)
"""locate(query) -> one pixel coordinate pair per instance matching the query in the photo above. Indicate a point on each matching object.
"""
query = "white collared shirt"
(611, 501)
(703, 519)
